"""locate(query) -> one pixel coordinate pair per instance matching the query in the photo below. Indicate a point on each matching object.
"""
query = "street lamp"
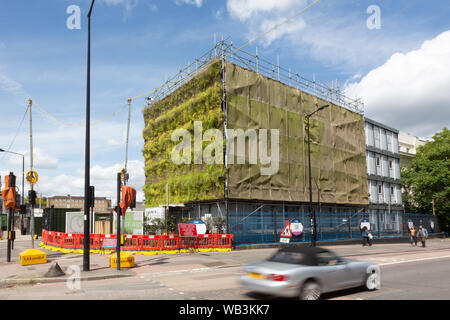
(23, 180)
(311, 213)
(86, 240)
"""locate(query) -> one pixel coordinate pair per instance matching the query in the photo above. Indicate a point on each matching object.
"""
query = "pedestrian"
(366, 236)
(423, 235)
(413, 236)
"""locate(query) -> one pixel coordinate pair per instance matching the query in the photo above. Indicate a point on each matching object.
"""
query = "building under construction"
(229, 90)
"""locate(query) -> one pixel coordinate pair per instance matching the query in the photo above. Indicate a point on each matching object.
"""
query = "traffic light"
(32, 197)
(91, 196)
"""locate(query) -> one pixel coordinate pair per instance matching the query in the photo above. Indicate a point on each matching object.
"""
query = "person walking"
(423, 235)
(366, 235)
(413, 236)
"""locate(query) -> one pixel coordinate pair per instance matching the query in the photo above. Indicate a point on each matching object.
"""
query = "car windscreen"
(290, 257)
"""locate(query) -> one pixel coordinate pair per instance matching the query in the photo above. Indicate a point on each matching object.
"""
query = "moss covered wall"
(200, 99)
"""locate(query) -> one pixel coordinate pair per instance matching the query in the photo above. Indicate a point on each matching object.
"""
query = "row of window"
(77, 203)
(382, 165)
(381, 138)
(383, 192)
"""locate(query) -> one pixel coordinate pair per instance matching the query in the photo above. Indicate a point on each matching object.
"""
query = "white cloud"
(326, 32)
(410, 91)
(246, 9)
(41, 159)
(198, 3)
(103, 178)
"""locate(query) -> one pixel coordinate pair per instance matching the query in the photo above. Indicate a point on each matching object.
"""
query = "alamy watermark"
(74, 20)
(74, 280)
(374, 21)
(258, 147)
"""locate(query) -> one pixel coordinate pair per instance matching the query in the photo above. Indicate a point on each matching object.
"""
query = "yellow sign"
(32, 177)
(32, 256)
(126, 260)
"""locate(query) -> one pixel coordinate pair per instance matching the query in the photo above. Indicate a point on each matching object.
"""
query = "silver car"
(307, 272)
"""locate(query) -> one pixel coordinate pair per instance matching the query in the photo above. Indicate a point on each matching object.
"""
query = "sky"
(395, 55)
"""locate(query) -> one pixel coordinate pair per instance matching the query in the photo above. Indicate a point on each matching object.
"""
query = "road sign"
(187, 230)
(296, 227)
(365, 223)
(286, 233)
(200, 225)
(32, 177)
(284, 240)
(109, 243)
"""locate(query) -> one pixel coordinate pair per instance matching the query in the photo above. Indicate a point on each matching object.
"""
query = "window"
(327, 259)
(380, 189)
(378, 161)
(289, 257)
(392, 191)
(390, 164)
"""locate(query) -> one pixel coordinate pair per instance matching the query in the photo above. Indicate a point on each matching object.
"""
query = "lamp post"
(86, 240)
(311, 213)
(23, 180)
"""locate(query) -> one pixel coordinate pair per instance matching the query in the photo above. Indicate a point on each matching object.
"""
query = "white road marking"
(415, 260)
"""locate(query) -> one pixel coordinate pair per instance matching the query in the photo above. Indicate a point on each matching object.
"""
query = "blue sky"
(401, 70)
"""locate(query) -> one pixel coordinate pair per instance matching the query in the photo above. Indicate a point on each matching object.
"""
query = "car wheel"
(310, 291)
(373, 281)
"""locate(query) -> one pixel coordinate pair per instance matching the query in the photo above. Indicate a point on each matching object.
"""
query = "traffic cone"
(54, 271)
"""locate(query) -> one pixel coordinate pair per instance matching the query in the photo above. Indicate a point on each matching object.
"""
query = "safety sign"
(286, 233)
(32, 177)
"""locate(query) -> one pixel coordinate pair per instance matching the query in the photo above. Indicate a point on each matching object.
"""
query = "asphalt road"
(418, 275)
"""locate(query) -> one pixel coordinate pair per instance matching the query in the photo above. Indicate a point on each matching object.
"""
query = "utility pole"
(128, 136)
(311, 211)
(11, 184)
(119, 186)
(86, 239)
(30, 105)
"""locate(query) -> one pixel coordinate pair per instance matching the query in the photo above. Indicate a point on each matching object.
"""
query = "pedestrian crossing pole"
(119, 185)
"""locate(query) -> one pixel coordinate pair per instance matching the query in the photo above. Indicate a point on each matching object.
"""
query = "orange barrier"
(147, 243)
(132, 242)
(151, 243)
(171, 242)
(187, 243)
(223, 241)
(205, 241)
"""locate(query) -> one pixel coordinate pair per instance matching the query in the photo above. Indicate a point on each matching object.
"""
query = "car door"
(335, 272)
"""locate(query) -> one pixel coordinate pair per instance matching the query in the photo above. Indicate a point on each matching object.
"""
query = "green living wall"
(200, 99)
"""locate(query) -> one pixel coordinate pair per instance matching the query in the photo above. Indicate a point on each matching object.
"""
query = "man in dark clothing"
(423, 235)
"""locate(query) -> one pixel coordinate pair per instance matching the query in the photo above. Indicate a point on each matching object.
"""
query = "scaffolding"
(225, 50)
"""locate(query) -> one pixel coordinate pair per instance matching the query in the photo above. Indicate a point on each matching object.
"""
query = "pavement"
(13, 273)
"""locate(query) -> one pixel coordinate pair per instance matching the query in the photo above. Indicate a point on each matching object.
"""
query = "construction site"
(229, 89)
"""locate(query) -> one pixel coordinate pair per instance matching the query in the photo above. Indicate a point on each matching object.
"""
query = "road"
(419, 274)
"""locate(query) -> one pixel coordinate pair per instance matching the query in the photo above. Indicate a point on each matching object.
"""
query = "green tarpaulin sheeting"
(255, 102)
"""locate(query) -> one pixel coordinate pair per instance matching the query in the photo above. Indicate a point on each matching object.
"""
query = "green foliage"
(156, 226)
(200, 99)
(427, 178)
(220, 224)
(172, 225)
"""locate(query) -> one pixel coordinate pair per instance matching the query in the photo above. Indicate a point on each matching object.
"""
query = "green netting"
(337, 143)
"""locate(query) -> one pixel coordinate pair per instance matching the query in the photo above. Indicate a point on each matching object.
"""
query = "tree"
(427, 179)
(155, 226)
(220, 224)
